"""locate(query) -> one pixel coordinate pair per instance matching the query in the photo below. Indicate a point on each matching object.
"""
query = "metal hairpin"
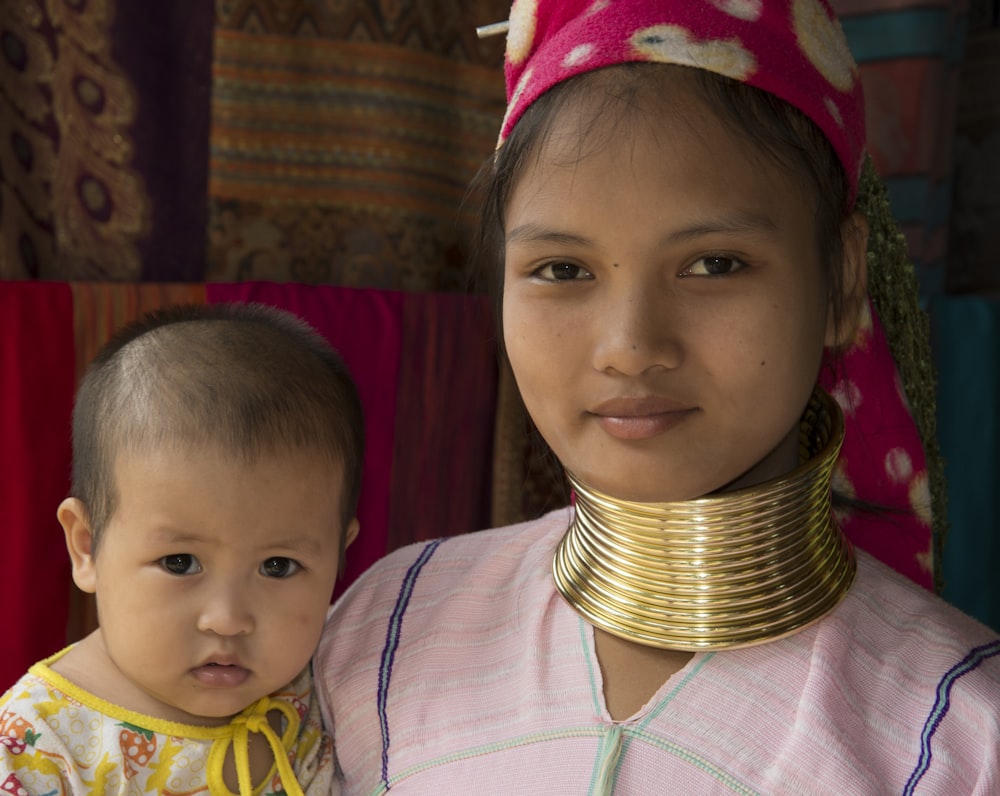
(485, 31)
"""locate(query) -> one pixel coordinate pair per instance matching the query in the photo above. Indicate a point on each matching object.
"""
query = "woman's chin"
(643, 489)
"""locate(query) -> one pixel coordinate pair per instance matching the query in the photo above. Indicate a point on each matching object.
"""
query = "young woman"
(673, 207)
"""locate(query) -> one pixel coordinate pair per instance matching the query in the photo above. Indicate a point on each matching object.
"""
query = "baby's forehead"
(185, 478)
(174, 451)
(204, 496)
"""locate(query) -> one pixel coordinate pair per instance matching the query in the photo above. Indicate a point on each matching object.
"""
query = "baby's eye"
(713, 266)
(181, 564)
(560, 271)
(279, 567)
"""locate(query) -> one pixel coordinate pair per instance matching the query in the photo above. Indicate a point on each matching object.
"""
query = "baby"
(216, 468)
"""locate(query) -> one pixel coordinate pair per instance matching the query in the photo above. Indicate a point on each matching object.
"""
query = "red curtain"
(37, 374)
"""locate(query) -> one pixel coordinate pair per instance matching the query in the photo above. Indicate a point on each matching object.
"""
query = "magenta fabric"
(38, 376)
(882, 461)
(442, 473)
(365, 326)
(794, 49)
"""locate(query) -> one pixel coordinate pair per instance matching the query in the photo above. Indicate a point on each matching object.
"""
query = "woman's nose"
(637, 329)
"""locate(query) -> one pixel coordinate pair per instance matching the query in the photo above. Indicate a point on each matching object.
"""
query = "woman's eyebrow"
(742, 222)
(738, 222)
(534, 233)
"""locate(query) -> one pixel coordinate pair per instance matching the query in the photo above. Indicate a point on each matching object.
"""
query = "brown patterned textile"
(71, 201)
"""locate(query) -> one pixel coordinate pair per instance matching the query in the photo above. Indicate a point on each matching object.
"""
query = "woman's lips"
(640, 417)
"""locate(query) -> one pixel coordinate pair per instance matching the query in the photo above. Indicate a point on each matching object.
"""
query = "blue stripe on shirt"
(941, 704)
(392, 643)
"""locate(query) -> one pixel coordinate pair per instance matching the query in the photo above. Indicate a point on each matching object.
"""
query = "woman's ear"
(73, 517)
(853, 285)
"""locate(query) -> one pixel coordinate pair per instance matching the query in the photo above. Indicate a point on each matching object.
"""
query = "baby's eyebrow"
(295, 544)
(276, 546)
(168, 536)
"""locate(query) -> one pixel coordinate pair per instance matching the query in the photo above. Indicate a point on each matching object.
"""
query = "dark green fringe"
(893, 287)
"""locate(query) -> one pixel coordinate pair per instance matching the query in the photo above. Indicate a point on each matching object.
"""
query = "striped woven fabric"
(343, 162)
(347, 124)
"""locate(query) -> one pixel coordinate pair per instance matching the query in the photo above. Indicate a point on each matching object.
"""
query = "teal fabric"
(966, 334)
(901, 33)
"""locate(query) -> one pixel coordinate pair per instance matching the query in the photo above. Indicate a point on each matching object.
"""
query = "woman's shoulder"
(423, 581)
(453, 562)
(464, 592)
(900, 629)
(919, 680)
(896, 601)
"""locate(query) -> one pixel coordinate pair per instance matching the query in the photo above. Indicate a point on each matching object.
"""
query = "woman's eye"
(279, 567)
(181, 564)
(713, 266)
(562, 272)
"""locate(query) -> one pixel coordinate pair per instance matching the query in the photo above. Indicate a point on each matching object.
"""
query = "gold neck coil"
(727, 570)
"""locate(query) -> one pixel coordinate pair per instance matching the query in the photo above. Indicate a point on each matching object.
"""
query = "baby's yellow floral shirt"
(56, 738)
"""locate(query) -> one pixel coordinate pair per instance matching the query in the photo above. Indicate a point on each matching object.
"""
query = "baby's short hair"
(249, 379)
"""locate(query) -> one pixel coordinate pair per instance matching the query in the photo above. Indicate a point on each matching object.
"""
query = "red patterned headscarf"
(796, 50)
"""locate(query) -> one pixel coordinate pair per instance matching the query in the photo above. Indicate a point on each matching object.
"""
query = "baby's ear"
(351, 531)
(74, 518)
(854, 283)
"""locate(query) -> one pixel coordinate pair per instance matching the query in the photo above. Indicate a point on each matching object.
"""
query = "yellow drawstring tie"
(254, 719)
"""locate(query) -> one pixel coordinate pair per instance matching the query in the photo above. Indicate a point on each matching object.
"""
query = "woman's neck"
(729, 570)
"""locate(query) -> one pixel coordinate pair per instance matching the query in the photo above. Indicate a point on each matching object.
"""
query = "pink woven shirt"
(455, 667)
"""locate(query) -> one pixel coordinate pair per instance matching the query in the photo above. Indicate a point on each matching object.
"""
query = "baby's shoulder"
(39, 696)
(20, 704)
(35, 752)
